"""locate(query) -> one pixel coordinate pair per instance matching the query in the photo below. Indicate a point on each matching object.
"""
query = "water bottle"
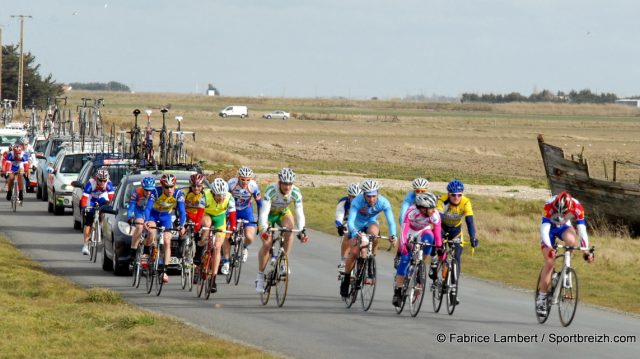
(554, 279)
(273, 259)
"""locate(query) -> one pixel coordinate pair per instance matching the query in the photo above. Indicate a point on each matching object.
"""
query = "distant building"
(633, 102)
(212, 91)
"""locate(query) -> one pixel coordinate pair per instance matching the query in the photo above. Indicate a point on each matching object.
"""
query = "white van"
(240, 111)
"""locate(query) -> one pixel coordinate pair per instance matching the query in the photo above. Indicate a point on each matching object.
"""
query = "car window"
(116, 173)
(182, 184)
(83, 172)
(40, 146)
(8, 140)
(57, 146)
(73, 163)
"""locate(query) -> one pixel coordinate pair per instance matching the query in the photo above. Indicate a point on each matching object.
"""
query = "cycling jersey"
(430, 230)
(275, 204)
(243, 196)
(194, 206)
(409, 199)
(94, 195)
(160, 205)
(342, 210)
(137, 202)
(553, 224)
(13, 163)
(219, 211)
(361, 214)
(452, 215)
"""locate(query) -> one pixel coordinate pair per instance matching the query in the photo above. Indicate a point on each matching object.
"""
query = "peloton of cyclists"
(17, 162)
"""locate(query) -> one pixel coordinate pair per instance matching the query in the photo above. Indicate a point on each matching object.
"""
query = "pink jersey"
(414, 222)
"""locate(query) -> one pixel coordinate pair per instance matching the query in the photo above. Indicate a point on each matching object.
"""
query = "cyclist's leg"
(88, 223)
(287, 221)
(263, 254)
(374, 228)
(219, 239)
(569, 236)
(10, 184)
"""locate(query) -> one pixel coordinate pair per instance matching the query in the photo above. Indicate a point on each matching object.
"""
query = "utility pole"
(21, 64)
(0, 62)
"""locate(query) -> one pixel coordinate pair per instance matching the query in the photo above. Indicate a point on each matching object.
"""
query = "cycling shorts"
(219, 221)
(363, 226)
(277, 217)
(246, 214)
(403, 265)
(162, 220)
(138, 213)
(557, 232)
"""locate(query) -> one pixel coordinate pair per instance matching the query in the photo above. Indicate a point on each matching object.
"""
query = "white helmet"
(353, 189)
(427, 200)
(220, 186)
(245, 172)
(420, 183)
(286, 175)
(370, 185)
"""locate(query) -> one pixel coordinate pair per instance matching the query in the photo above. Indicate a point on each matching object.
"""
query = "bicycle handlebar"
(572, 248)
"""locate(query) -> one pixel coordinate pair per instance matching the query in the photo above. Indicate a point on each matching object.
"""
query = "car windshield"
(56, 147)
(40, 146)
(116, 173)
(73, 163)
(182, 184)
(8, 140)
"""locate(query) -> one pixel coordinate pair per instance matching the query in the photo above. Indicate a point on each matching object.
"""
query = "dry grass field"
(479, 143)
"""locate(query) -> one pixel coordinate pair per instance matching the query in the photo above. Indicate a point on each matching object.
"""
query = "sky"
(335, 48)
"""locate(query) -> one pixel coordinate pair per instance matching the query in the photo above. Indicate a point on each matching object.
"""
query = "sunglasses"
(245, 179)
(168, 187)
(455, 194)
(420, 190)
(102, 181)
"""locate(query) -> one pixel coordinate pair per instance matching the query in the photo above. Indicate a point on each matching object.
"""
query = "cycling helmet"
(286, 175)
(168, 179)
(220, 186)
(563, 203)
(370, 186)
(17, 149)
(149, 183)
(245, 172)
(102, 174)
(420, 183)
(24, 141)
(455, 186)
(353, 189)
(427, 200)
(196, 179)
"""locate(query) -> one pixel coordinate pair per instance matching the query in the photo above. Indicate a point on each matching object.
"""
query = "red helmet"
(17, 149)
(563, 203)
(196, 179)
(168, 179)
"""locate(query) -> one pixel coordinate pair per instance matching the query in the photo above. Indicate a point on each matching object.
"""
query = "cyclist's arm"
(264, 215)
(231, 210)
(258, 197)
(405, 227)
(391, 221)
(133, 202)
(340, 213)
(581, 224)
(147, 209)
(300, 220)
(406, 203)
(437, 230)
(468, 212)
(545, 227)
(86, 194)
(353, 212)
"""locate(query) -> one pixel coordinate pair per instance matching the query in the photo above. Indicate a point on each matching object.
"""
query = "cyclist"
(342, 213)
(219, 204)
(556, 223)
(28, 149)
(363, 218)
(158, 210)
(244, 188)
(422, 217)
(420, 185)
(97, 192)
(16, 162)
(275, 211)
(135, 212)
(194, 202)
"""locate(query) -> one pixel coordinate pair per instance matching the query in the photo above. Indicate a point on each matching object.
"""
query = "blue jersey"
(361, 214)
(409, 199)
(137, 202)
(17, 162)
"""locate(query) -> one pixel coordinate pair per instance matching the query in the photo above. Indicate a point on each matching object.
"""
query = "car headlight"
(124, 227)
(67, 187)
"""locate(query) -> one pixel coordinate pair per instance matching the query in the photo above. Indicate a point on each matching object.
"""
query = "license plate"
(174, 260)
(174, 233)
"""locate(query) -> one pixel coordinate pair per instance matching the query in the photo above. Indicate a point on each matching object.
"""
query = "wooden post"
(604, 164)
(614, 170)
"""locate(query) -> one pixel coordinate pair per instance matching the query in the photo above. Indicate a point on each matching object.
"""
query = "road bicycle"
(148, 139)
(188, 250)
(157, 267)
(446, 283)
(176, 143)
(7, 111)
(237, 246)
(83, 121)
(140, 262)
(415, 280)
(164, 140)
(53, 114)
(95, 238)
(15, 201)
(95, 125)
(277, 274)
(34, 122)
(564, 287)
(363, 276)
(135, 134)
(204, 272)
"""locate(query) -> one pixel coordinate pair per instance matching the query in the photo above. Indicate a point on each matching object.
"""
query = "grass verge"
(509, 252)
(45, 316)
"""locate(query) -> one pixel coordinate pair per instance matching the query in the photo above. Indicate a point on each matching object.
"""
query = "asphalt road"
(314, 322)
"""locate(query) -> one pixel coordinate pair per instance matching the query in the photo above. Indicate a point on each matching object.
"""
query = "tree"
(36, 88)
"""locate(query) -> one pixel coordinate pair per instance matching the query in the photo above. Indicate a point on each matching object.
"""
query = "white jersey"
(243, 196)
(275, 202)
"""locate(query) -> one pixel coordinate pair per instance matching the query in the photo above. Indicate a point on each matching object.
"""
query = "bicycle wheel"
(568, 301)
(160, 270)
(201, 274)
(237, 261)
(14, 195)
(282, 279)
(438, 288)
(542, 318)
(452, 287)
(93, 250)
(403, 300)
(416, 289)
(264, 296)
(353, 285)
(368, 289)
(137, 267)
(210, 278)
(150, 274)
(184, 265)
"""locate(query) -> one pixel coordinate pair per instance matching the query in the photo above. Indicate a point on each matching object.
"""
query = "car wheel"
(119, 269)
(285, 117)
(107, 264)
(242, 116)
(268, 117)
(49, 207)
(45, 194)
(224, 115)
(39, 192)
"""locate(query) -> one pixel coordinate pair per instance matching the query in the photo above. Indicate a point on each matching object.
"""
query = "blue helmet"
(455, 186)
(149, 183)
